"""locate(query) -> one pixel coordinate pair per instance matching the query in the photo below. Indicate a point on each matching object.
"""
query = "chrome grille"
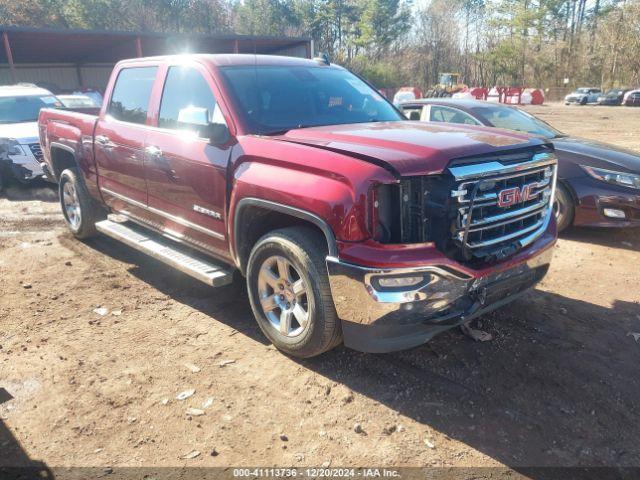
(36, 150)
(501, 207)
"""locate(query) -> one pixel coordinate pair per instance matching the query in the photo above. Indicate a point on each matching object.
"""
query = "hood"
(24, 133)
(410, 148)
(599, 154)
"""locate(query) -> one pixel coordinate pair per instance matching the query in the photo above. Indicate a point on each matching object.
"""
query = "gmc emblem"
(512, 196)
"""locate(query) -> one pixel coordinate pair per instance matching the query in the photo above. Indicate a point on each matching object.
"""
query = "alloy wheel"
(71, 205)
(283, 296)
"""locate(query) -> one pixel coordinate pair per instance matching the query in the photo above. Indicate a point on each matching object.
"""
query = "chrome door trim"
(173, 218)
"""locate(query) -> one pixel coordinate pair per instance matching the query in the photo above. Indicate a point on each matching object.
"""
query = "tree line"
(538, 43)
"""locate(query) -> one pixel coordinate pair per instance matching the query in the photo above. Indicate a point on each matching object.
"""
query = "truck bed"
(68, 131)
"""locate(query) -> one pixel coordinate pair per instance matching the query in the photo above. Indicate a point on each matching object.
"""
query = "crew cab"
(348, 222)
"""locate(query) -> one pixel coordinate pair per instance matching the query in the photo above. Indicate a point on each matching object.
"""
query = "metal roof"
(21, 90)
(50, 45)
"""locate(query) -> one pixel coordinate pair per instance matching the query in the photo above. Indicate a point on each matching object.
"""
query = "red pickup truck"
(349, 222)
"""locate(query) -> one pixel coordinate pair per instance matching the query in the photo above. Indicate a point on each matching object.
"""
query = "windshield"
(24, 108)
(279, 98)
(582, 90)
(515, 119)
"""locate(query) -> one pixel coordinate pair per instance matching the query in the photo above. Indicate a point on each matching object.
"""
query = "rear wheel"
(288, 286)
(80, 211)
(563, 208)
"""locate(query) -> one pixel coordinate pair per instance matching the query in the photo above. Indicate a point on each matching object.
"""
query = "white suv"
(583, 95)
(20, 152)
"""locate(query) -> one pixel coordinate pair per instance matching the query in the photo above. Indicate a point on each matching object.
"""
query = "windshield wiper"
(282, 131)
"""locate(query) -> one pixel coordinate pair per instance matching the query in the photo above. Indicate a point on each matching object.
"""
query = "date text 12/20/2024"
(310, 472)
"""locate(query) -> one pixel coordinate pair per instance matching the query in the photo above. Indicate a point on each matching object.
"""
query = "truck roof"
(22, 90)
(232, 59)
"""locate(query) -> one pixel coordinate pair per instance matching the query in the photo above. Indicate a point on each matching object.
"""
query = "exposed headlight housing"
(10, 147)
(623, 179)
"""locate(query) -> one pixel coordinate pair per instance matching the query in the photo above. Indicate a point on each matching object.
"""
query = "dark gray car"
(598, 183)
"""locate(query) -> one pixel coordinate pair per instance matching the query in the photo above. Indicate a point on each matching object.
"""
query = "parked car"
(347, 221)
(77, 101)
(93, 93)
(20, 153)
(612, 97)
(598, 183)
(406, 93)
(583, 96)
(632, 98)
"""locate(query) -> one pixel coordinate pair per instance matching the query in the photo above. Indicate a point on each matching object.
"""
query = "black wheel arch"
(62, 157)
(264, 216)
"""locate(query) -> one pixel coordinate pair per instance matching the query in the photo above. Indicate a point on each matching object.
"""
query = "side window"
(185, 87)
(131, 93)
(451, 115)
(412, 113)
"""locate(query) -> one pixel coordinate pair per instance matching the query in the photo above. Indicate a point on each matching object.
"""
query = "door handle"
(103, 140)
(156, 155)
(153, 152)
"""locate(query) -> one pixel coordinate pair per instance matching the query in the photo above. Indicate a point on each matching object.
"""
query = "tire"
(80, 211)
(563, 207)
(288, 261)
(583, 101)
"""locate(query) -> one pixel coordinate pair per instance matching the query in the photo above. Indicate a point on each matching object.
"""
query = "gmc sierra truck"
(350, 223)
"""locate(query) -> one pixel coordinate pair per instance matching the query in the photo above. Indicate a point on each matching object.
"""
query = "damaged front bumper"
(377, 319)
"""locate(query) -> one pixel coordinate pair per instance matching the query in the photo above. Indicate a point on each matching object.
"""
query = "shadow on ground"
(14, 461)
(558, 386)
(36, 190)
(624, 238)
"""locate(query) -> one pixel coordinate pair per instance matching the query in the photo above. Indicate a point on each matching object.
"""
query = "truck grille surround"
(481, 210)
(36, 150)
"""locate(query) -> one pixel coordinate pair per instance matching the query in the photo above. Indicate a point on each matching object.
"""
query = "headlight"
(617, 178)
(10, 147)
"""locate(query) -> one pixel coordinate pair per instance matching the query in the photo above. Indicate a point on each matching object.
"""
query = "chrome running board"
(162, 250)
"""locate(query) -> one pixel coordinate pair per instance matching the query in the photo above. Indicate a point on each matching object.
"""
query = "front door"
(186, 174)
(119, 141)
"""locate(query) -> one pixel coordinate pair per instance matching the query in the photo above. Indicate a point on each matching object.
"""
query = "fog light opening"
(614, 213)
(400, 282)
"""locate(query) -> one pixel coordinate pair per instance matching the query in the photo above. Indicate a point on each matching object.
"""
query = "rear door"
(119, 140)
(186, 174)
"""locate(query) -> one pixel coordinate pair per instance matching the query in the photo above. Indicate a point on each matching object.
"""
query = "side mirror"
(193, 117)
(197, 118)
(218, 133)
(414, 115)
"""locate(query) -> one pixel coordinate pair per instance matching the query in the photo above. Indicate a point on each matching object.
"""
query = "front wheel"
(288, 287)
(563, 208)
(79, 209)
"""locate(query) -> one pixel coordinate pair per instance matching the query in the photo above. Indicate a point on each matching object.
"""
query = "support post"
(236, 47)
(79, 75)
(7, 50)
(138, 47)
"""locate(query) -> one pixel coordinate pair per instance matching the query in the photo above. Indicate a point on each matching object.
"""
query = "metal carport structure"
(71, 58)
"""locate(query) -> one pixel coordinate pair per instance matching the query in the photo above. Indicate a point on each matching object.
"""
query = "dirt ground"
(558, 386)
